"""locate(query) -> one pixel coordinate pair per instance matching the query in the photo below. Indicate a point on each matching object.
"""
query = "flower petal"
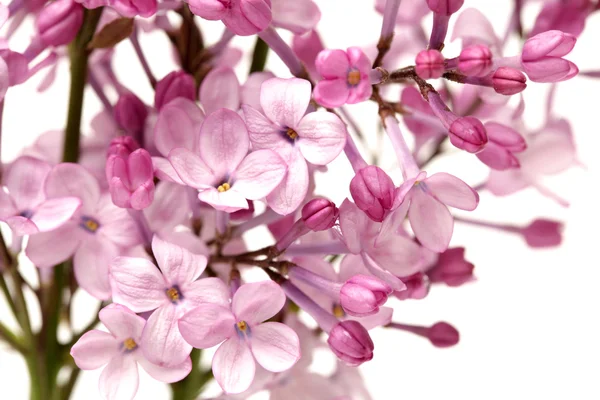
(165, 171)
(7, 205)
(25, 179)
(430, 220)
(50, 248)
(299, 16)
(119, 379)
(263, 133)
(207, 290)
(452, 191)
(91, 266)
(331, 92)
(167, 374)
(285, 101)
(224, 141)
(52, 213)
(322, 137)
(233, 366)
(332, 64)
(292, 190)
(259, 173)
(353, 224)
(178, 125)
(257, 302)
(137, 284)
(228, 201)
(191, 168)
(167, 210)
(257, 12)
(68, 179)
(275, 346)
(220, 89)
(250, 93)
(94, 349)
(122, 322)
(207, 325)
(162, 344)
(178, 265)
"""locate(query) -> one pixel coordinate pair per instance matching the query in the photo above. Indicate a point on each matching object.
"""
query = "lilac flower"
(451, 268)
(542, 57)
(94, 235)
(564, 15)
(317, 137)
(298, 16)
(25, 207)
(131, 179)
(220, 167)
(126, 8)
(174, 85)
(121, 350)
(245, 338)
(503, 142)
(170, 291)
(220, 89)
(243, 17)
(345, 77)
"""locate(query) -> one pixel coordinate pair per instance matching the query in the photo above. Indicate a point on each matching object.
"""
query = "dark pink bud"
(130, 113)
(509, 81)
(445, 7)
(58, 22)
(122, 146)
(543, 233)
(362, 295)
(468, 133)
(373, 192)
(243, 214)
(475, 60)
(417, 287)
(174, 85)
(452, 268)
(443, 334)
(351, 343)
(131, 179)
(319, 214)
(429, 64)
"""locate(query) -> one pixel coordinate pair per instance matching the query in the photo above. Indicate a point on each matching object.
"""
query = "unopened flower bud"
(468, 133)
(509, 81)
(174, 85)
(351, 343)
(373, 192)
(417, 287)
(445, 7)
(58, 22)
(429, 64)
(475, 60)
(122, 146)
(131, 179)
(552, 43)
(452, 268)
(543, 233)
(362, 295)
(443, 334)
(319, 214)
(130, 113)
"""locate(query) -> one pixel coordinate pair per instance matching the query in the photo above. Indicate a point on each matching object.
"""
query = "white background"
(529, 325)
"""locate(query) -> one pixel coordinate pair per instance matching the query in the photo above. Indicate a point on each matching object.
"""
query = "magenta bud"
(319, 214)
(468, 133)
(244, 214)
(475, 60)
(429, 64)
(373, 192)
(551, 43)
(452, 268)
(543, 233)
(362, 295)
(122, 146)
(509, 81)
(417, 287)
(58, 22)
(351, 343)
(445, 7)
(443, 334)
(130, 113)
(175, 84)
(131, 179)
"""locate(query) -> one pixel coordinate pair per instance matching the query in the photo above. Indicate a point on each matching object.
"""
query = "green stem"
(190, 387)
(8, 296)
(259, 58)
(12, 339)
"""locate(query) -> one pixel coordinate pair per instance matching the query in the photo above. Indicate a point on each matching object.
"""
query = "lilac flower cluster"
(147, 215)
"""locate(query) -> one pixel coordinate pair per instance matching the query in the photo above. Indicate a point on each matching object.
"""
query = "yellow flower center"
(173, 294)
(291, 133)
(91, 225)
(242, 326)
(224, 187)
(338, 311)
(129, 344)
(353, 78)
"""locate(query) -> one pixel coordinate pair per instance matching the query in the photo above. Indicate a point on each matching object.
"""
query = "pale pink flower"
(246, 338)
(220, 89)
(173, 85)
(94, 235)
(121, 350)
(220, 167)
(564, 15)
(345, 77)
(426, 200)
(317, 137)
(24, 206)
(131, 179)
(243, 17)
(298, 16)
(170, 291)
(542, 56)
(503, 142)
